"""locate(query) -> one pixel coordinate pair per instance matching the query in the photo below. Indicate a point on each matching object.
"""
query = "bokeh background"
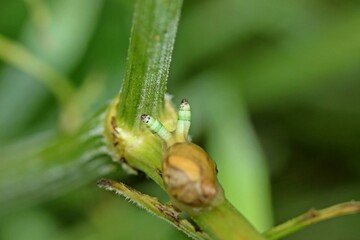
(275, 92)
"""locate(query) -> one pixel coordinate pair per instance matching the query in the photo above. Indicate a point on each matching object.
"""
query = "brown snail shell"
(190, 176)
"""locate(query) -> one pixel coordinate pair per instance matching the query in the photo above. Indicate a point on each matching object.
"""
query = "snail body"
(189, 173)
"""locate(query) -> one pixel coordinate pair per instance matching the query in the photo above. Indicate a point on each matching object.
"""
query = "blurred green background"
(275, 93)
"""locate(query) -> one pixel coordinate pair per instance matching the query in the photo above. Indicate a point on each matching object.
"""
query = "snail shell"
(190, 176)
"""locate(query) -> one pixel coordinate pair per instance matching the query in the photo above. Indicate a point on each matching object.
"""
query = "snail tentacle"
(184, 121)
(157, 128)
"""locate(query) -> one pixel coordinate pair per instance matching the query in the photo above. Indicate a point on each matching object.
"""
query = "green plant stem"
(151, 44)
(311, 217)
(225, 222)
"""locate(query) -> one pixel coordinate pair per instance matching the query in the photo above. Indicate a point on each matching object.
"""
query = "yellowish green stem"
(311, 217)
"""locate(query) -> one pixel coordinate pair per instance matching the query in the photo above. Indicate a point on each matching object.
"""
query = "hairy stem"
(151, 44)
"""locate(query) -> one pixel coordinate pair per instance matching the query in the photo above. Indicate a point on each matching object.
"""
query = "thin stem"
(151, 44)
(15, 54)
(311, 217)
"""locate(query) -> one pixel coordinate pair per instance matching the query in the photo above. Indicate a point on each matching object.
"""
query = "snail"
(189, 173)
